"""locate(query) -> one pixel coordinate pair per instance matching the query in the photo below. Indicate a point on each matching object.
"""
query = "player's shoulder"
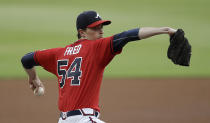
(101, 40)
(88, 42)
(105, 38)
(56, 49)
(49, 50)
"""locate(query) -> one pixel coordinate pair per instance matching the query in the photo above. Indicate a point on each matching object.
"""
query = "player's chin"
(100, 36)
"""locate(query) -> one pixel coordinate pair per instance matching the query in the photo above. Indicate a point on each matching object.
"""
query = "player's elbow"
(25, 62)
(28, 61)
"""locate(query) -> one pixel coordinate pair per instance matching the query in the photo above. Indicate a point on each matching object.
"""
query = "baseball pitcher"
(79, 66)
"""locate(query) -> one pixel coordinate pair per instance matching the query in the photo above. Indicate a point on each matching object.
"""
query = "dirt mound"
(122, 101)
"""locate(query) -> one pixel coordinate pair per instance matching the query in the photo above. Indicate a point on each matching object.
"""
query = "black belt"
(77, 112)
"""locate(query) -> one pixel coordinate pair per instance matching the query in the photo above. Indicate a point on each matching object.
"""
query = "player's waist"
(83, 111)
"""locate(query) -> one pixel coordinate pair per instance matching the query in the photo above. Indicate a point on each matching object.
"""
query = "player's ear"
(81, 32)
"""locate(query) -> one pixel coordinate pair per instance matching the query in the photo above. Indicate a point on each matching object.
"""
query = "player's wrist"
(170, 31)
(37, 82)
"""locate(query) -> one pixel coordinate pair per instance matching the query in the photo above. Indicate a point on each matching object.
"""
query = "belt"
(64, 115)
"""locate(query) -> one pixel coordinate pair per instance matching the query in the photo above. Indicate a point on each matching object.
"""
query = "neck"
(83, 38)
(86, 38)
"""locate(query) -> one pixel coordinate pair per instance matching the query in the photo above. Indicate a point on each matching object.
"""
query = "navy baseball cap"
(89, 19)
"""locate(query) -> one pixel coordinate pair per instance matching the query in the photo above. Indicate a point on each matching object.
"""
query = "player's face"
(94, 33)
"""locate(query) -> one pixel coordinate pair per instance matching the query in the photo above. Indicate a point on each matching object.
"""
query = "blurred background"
(30, 25)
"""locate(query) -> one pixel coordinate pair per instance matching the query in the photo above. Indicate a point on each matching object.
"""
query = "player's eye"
(98, 27)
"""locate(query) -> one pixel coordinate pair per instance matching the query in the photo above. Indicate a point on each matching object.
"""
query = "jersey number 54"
(74, 71)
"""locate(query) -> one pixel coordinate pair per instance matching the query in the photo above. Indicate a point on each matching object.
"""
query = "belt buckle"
(64, 115)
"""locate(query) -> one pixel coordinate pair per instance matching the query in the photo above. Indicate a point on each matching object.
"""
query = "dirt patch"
(122, 101)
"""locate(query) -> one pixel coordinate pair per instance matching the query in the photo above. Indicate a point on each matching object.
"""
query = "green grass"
(27, 26)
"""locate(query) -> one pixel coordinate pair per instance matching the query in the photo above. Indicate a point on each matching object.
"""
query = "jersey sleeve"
(121, 39)
(47, 59)
(104, 50)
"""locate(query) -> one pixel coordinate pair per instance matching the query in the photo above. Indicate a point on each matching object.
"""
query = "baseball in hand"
(39, 91)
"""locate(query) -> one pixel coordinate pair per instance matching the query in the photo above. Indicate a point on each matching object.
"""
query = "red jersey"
(79, 68)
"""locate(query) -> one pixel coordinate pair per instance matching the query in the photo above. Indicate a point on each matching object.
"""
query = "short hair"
(78, 35)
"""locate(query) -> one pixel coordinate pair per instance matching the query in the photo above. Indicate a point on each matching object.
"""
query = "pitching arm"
(29, 64)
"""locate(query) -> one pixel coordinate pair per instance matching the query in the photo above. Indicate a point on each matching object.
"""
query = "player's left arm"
(121, 39)
(29, 64)
(45, 58)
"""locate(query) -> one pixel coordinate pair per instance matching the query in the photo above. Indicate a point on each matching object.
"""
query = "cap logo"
(97, 16)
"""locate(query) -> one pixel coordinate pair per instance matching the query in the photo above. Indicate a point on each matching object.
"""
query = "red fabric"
(96, 54)
(47, 59)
